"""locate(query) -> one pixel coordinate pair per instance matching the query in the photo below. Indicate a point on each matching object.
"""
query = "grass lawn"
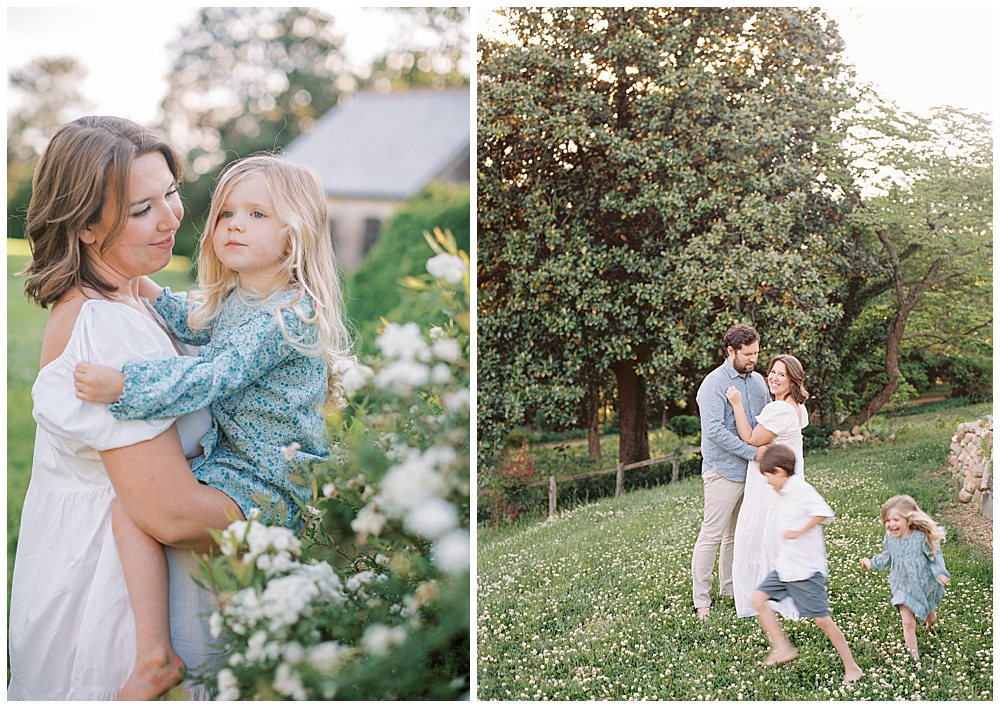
(25, 327)
(596, 603)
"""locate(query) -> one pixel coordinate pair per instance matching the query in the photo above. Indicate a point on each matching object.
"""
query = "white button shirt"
(800, 558)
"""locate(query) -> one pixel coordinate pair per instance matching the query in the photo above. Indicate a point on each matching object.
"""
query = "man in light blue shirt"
(724, 459)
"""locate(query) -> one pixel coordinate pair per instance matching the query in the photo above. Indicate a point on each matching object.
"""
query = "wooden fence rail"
(552, 481)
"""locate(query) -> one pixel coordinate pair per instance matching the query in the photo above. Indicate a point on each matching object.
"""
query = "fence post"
(552, 495)
(618, 480)
(676, 473)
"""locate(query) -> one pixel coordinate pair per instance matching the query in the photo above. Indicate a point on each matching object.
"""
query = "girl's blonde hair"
(907, 508)
(300, 204)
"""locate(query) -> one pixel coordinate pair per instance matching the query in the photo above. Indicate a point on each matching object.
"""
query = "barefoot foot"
(853, 675)
(704, 612)
(776, 657)
(153, 677)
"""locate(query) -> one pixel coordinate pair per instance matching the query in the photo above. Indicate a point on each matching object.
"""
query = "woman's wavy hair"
(86, 166)
(796, 374)
(310, 267)
(918, 519)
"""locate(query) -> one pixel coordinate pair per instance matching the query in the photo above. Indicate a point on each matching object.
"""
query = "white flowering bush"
(371, 599)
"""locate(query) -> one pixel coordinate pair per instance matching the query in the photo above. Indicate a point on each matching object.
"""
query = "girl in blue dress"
(267, 315)
(913, 557)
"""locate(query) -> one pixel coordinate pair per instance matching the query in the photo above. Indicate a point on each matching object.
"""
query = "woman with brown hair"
(103, 213)
(781, 422)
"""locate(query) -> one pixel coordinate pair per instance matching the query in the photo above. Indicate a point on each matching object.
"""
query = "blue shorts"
(809, 594)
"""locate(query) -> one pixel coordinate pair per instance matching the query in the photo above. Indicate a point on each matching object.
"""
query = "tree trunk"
(594, 420)
(633, 443)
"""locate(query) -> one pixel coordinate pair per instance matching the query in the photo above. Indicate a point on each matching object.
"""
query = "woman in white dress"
(103, 213)
(781, 422)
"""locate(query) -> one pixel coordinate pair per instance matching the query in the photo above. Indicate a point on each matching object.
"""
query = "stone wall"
(971, 462)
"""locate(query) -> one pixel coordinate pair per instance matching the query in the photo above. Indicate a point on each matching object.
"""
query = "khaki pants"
(718, 528)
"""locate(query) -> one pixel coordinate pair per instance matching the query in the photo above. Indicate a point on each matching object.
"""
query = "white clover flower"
(456, 401)
(329, 490)
(326, 656)
(228, 686)
(403, 342)
(215, 625)
(436, 332)
(451, 553)
(289, 450)
(447, 350)
(403, 373)
(368, 522)
(353, 376)
(378, 639)
(432, 518)
(288, 683)
(440, 374)
(447, 267)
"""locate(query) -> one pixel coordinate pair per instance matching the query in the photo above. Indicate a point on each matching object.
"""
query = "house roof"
(386, 146)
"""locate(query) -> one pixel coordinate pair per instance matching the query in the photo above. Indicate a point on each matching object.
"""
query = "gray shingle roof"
(386, 145)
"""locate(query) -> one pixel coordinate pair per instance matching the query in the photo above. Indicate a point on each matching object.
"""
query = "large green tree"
(646, 178)
(922, 220)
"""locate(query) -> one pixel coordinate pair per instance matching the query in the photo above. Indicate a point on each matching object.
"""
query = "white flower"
(353, 376)
(290, 450)
(403, 372)
(382, 559)
(279, 563)
(359, 580)
(456, 401)
(236, 659)
(255, 646)
(407, 484)
(440, 374)
(293, 652)
(378, 639)
(432, 518)
(215, 625)
(436, 332)
(451, 553)
(368, 522)
(228, 686)
(445, 266)
(404, 342)
(288, 683)
(329, 490)
(447, 350)
(326, 656)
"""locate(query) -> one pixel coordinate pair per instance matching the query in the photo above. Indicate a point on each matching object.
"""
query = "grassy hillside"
(596, 603)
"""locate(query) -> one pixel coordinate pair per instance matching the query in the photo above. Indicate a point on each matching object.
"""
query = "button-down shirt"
(721, 447)
(802, 557)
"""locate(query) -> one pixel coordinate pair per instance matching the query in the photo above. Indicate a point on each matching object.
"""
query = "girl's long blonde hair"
(300, 204)
(907, 508)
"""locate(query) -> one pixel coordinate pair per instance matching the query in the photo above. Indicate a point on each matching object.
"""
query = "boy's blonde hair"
(300, 204)
(907, 508)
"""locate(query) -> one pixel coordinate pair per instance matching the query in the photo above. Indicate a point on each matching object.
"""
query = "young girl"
(267, 315)
(913, 557)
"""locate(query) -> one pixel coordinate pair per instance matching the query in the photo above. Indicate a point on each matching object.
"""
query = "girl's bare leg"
(909, 630)
(852, 672)
(158, 668)
(931, 620)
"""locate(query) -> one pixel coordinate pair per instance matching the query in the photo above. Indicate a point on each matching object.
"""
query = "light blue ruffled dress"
(912, 572)
(264, 394)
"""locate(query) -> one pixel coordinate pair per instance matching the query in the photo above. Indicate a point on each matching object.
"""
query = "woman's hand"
(866, 564)
(943, 580)
(98, 384)
(734, 396)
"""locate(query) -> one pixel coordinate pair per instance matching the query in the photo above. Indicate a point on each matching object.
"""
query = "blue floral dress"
(912, 572)
(265, 395)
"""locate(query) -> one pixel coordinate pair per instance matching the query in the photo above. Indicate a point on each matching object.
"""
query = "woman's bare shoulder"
(59, 327)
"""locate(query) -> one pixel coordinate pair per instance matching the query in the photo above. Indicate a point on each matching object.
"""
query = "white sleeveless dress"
(756, 542)
(71, 632)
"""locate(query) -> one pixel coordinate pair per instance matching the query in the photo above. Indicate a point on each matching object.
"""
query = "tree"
(923, 210)
(431, 48)
(48, 94)
(646, 178)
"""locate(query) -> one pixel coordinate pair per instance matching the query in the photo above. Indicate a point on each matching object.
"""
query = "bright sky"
(918, 56)
(124, 49)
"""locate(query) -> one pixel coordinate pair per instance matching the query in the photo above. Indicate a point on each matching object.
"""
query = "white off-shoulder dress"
(71, 632)
(755, 546)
